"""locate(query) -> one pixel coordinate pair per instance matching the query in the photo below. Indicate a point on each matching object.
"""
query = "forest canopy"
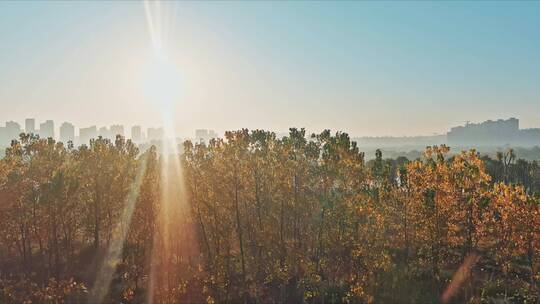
(252, 218)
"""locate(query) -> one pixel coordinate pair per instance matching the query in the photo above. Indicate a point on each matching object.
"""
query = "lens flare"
(114, 252)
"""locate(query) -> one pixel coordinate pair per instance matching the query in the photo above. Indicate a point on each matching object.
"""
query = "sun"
(163, 83)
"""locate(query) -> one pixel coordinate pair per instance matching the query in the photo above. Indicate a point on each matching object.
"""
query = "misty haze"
(269, 152)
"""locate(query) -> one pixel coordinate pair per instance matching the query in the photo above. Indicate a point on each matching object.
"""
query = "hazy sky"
(368, 68)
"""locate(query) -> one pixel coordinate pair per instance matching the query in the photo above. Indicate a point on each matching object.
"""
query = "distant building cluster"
(204, 135)
(67, 133)
(493, 133)
(490, 133)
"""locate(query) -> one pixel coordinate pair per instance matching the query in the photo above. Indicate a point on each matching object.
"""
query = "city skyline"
(31, 124)
(489, 132)
(66, 131)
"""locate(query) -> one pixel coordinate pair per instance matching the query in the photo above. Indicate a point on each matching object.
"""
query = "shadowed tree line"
(268, 220)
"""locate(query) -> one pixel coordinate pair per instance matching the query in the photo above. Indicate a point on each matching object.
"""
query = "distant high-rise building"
(493, 133)
(154, 134)
(46, 129)
(13, 130)
(67, 132)
(3, 137)
(117, 130)
(212, 134)
(201, 134)
(85, 134)
(104, 132)
(30, 125)
(136, 134)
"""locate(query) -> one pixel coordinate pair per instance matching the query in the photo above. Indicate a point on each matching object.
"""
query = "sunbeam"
(114, 252)
(164, 88)
(160, 19)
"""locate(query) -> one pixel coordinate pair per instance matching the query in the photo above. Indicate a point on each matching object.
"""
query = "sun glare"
(163, 82)
(162, 85)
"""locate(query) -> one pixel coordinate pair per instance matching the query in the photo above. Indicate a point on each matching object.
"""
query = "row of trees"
(298, 219)
(252, 218)
(60, 209)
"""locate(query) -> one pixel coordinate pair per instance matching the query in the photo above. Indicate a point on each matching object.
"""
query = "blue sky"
(367, 68)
